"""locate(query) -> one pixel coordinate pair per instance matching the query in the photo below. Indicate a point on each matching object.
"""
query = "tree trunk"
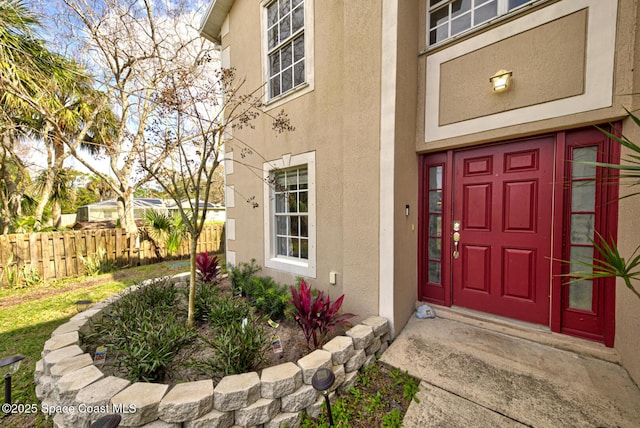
(125, 212)
(192, 281)
(45, 194)
(56, 213)
(56, 206)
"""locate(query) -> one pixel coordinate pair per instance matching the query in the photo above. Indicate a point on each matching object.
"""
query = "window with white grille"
(448, 18)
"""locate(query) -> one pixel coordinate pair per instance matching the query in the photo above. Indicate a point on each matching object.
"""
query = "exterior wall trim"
(387, 158)
(601, 30)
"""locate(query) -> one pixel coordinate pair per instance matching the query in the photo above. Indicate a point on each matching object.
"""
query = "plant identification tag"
(276, 344)
(101, 356)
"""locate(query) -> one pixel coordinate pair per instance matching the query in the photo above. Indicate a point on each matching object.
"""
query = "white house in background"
(108, 210)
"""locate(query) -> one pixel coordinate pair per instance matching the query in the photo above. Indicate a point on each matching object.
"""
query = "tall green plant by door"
(612, 263)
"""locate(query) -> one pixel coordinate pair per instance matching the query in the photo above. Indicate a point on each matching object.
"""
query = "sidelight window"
(581, 223)
(434, 233)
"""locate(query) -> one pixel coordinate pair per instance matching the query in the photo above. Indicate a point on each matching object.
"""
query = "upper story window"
(285, 46)
(448, 18)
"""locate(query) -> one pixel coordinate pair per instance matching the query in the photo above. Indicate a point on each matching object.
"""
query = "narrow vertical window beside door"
(582, 219)
(434, 239)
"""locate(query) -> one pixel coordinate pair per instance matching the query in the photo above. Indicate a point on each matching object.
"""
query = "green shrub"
(207, 297)
(227, 310)
(240, 275)
(236, 347)
(11, 273)
(143, 332)
(267, 296)
(161, 294)
(98, 263)
(30, 276)
(152, 345)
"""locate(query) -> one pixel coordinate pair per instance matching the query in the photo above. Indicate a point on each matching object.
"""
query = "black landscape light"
(8, 367)
(108, 421)
(322, 381)
(81, 305)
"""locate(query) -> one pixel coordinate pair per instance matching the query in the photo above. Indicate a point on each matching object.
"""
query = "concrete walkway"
(476, 373)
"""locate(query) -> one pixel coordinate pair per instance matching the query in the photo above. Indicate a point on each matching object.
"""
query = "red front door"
(502, 202)
(497, 221)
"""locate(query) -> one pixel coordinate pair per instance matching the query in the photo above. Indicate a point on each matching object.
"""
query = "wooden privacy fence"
(57, 254)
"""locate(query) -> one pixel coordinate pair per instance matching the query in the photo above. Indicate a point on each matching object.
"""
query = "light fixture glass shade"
(323, 380)
(10, 365)
(82, 305)
(501, 80)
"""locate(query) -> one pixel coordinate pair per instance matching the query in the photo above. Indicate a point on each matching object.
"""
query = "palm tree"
(100, 188)
(51, 98)
(61, 190)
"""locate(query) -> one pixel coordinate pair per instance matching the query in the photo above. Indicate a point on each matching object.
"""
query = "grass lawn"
(29, 316)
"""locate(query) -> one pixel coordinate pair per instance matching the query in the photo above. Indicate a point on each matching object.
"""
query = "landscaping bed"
(193, 358)
(290, 335)
(275, 396)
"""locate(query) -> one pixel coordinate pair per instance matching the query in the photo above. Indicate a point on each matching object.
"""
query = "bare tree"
(185, 144)
(133, 48)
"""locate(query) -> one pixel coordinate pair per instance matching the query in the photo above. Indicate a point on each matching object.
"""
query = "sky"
(48, 10)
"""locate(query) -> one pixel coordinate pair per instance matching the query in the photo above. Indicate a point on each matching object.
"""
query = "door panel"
(502, 195)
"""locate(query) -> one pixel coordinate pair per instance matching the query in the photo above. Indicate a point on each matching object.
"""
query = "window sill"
(286, 264)
(288, 96)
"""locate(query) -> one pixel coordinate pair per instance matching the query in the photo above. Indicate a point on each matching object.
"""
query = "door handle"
(456, 241)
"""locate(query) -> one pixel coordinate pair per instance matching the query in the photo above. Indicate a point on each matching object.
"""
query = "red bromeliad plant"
(208, 269)
(317, 316)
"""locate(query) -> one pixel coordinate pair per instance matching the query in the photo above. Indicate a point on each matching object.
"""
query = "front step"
(532, 332)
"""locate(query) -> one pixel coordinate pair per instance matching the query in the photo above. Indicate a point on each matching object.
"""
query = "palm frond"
(611, 264)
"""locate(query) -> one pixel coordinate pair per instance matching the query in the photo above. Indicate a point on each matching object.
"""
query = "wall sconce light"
(8, 367)
(82, 305)
(322, 381)
(501, 81)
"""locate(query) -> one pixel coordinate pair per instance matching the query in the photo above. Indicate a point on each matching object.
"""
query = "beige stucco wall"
(406, 166)
(338, 120)
(546, 73)
(627, 339)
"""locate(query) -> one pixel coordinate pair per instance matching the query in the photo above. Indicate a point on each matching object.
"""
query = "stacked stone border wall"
(75, 393)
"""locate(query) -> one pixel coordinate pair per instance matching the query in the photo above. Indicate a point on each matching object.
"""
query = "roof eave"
(215, 16)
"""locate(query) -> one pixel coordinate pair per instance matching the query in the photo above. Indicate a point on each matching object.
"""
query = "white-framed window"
(285, 46)
(448, 18)
(290, 214)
